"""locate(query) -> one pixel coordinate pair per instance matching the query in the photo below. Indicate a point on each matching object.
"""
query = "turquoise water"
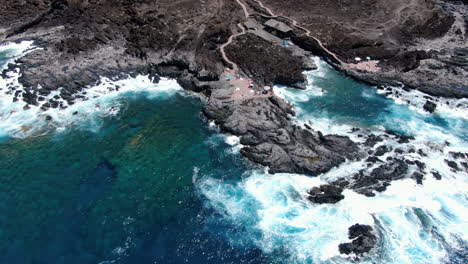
(85, 197)
(141, 177)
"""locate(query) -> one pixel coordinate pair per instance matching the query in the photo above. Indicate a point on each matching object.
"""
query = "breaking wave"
(18, 119)
(415, 223)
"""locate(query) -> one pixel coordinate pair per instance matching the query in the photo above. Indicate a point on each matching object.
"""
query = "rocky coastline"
(82, 41)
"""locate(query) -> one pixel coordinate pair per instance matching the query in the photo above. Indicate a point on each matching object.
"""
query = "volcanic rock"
(326, 194)
(363, 240)
(430, 106)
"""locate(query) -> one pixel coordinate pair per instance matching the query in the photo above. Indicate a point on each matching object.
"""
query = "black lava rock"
(418, 177)
(326, 194)
(436, 175)
(373, 159)
(372, 140)
(405, 139)
(429, 106)
(452, 164)
(363, 240)
(382, 150)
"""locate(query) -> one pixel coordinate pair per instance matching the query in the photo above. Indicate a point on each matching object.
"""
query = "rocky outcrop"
(421, 45)
(430, 106)
(267, 63)
(325, 194)
(363, 240)
(83, 41)
(271, 139)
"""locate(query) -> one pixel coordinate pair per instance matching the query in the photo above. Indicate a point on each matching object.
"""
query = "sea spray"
(276, 216)
(19, 119)
(415, 223)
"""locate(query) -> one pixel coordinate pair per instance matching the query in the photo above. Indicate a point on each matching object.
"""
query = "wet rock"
(418, 177)
(421, 166)
(399, 151)
(308, 65)
(373, 159)
(458, 155)
(272, 140)
(363, 240)
(429, 106)
(452, 164)
(380, 151)
(365, 182)
(326, 194)
(372, 140)
(421, 153)
(436, 175)
(405, 139)
(465, 165)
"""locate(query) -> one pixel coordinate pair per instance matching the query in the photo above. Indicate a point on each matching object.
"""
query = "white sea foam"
(277, 216)
(233, 142)
(446, 107)
(312, 90)
(11, 50)
(97, 102)
(416, 223)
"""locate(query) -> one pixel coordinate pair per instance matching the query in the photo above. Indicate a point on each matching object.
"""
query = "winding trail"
(235, 68)
(271, 15)
(246, 13)
(296, 24)
(365, 65)
(370, 66)
(223, 52)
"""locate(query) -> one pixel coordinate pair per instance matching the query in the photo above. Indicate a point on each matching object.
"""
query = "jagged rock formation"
(326, 194)
(363, 241)
(83, 41)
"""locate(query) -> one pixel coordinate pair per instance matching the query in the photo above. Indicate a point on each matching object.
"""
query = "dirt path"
(272, 15)
(232, 37)
(296, 24)
(246, 13)
(370, 65)
(364, 65)
(223, 52)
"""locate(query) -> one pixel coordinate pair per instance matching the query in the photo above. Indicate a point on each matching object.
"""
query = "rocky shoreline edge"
(265, 126)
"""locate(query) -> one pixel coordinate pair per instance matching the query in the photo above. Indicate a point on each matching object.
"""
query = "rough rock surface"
(270, 138)
(272, 64)
(82, 41)
(325, 194)
(363, 240)
(422, 44)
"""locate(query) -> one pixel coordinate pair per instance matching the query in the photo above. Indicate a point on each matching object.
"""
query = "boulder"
(363, 240)
(327, 193)
(430, 106)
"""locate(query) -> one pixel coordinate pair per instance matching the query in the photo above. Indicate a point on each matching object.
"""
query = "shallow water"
(138, 176)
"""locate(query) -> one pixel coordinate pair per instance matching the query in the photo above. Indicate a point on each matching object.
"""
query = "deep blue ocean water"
(156, 183)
